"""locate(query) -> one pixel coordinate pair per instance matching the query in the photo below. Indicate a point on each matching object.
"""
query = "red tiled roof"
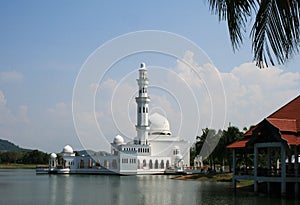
(289, 125)
(249, 132)
(286, 119)
(283, 117)
(289, 111)
(291, 139)
(238, 144)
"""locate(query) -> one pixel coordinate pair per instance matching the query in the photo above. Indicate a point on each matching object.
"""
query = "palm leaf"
(236, 13)
(277, 27)
(275, 32)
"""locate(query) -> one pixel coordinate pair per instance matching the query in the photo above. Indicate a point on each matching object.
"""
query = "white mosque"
(154, 150)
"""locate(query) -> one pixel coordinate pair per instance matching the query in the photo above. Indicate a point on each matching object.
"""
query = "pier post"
(283, 171)
(255, 168)
(234, 168)
(296, 170)
(269, 169)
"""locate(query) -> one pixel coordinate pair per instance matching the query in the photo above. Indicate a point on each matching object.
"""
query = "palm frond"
(277, 27)
(236, 13)
(275, 32)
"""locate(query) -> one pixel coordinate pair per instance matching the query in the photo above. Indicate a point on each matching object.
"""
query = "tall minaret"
(142, 101)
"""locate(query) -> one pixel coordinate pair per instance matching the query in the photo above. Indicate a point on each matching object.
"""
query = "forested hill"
(6, 146)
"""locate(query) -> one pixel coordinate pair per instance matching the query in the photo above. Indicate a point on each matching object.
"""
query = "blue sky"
(43, 45)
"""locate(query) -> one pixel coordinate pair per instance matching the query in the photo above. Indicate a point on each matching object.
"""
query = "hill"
(6, 146)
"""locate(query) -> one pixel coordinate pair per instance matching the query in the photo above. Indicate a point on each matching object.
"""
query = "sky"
(46, 45)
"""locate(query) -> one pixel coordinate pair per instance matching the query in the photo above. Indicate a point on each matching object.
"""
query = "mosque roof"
(67, 149)
(159, 124)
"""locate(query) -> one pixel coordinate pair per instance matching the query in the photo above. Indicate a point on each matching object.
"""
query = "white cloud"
(15, 125)
(254, 93)
(11, 76)
(190, 96)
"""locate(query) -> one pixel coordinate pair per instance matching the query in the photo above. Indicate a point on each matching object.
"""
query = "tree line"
(24, 157)
(211, 145)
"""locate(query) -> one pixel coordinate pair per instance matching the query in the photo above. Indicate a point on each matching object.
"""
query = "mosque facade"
(154, 150)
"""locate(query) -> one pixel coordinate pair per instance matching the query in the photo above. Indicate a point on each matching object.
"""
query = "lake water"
(23, 186)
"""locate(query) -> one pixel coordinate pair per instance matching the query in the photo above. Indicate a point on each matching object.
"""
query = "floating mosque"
(154, 150)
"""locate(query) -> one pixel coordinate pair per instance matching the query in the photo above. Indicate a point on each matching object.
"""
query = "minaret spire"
(142, 100)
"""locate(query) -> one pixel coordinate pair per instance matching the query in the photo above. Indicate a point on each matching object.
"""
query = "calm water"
(25, 187)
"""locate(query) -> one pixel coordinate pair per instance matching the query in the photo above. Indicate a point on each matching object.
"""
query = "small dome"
(143, 65)
(118, 140)
(67, 149)
(53, 156)
(159, 125)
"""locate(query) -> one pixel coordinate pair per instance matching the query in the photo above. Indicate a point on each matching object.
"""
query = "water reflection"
(28, 188)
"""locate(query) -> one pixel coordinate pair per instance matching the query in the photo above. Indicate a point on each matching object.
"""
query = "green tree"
(275, 30)
(35, 157)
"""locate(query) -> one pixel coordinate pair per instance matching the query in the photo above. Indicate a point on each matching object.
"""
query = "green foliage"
(275, 31)
(214, 152)
(25, 157)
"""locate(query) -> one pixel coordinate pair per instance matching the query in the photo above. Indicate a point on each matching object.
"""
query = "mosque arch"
(156, 164)
(168, 164)
(114, 164)
(90, 163)
(139, 164)
(106, 164)
(81, 163)
(162, 164)
(150, 164)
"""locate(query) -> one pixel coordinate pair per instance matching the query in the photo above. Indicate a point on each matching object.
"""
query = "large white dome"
(159, 125)
(118, 140)
(67, 149)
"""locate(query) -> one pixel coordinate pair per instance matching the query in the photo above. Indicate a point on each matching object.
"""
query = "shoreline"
(21, 166)
(212, 177)
(215, 177)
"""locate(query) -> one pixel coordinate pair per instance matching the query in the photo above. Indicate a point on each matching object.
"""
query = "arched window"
(150, 164)
(90, 163)
(162, 165)
(138, 164)
(81, 163)
(98, 163)
(168, 164)
(144, 163)
(106, 164)
(114, 164)
(156, 164)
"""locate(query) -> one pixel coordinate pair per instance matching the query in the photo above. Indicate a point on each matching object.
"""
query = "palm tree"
(275, 31)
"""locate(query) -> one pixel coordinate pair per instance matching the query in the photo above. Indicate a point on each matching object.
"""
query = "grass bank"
(215, 177)
(20, 166)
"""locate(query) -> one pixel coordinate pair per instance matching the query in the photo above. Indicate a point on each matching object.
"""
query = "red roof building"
(286, 119)
(267, 150)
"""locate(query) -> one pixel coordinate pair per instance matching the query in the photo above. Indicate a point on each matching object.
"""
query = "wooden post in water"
(283, 171)
(233, 171)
